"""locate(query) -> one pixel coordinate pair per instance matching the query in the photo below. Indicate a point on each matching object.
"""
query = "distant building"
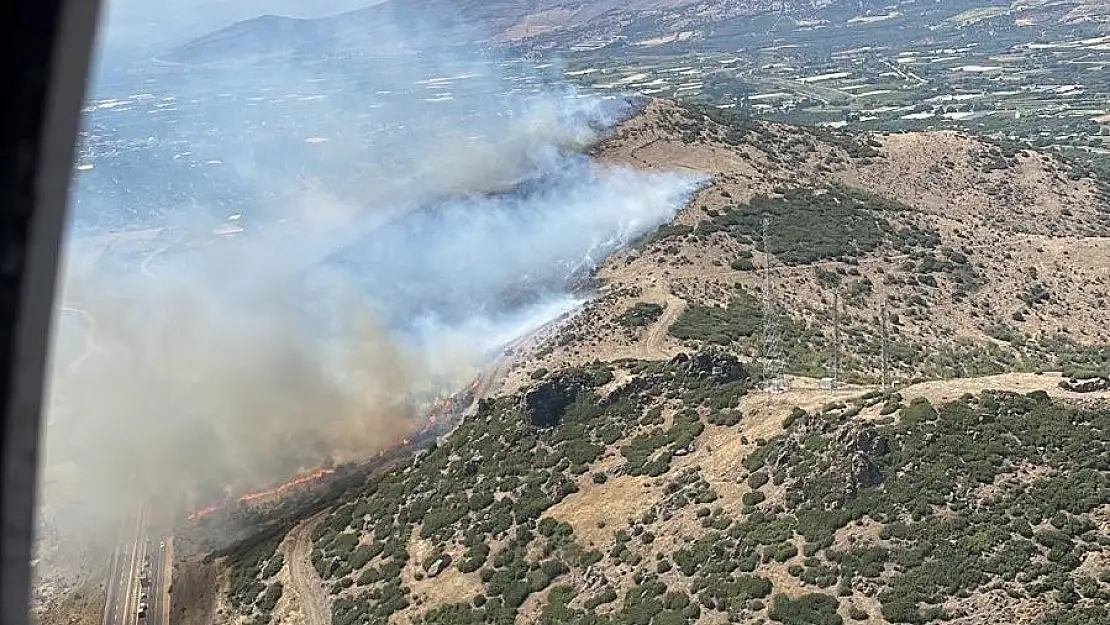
(228, 229)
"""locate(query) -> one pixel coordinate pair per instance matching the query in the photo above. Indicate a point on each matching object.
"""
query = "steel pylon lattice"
(774, 366)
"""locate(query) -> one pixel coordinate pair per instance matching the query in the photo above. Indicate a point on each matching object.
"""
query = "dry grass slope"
(1036, 244)
(614, 481)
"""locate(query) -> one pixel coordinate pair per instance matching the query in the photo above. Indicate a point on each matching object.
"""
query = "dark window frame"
(48, 45)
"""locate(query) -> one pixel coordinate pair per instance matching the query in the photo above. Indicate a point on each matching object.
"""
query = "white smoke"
(383, 262)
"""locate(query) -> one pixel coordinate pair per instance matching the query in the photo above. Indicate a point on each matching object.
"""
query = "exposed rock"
(719, 366)
(863, 474)
(869, 442)
(853, 454)
(865, 445)
(439, 565)
(1086, 385)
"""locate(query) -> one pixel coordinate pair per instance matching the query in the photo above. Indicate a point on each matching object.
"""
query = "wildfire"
(293, 483)
(443, 406)
(205, 511)
(263, 494)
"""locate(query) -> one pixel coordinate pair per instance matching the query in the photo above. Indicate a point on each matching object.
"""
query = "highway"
(142, 562)
(138, 575)
(120, 605)
(161, 570)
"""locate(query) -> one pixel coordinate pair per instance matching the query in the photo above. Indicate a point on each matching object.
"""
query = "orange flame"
(293, 483)
(444, 405)
(205, 511)
(263, 494)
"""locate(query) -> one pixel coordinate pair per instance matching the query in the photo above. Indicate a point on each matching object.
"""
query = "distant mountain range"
(572, 24)
(496, 22)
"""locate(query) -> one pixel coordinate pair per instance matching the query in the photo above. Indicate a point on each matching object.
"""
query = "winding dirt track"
(307, 586)
(652, 345)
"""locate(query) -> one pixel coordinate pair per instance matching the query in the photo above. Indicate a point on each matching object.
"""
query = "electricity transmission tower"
(836, 338)
(886, 380)
(774, 378)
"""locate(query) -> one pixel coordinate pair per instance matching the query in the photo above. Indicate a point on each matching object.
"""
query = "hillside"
(666, 492)
(987, 259)
(630, 472)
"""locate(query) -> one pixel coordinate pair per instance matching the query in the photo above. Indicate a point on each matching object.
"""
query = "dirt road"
(307, 586)
(651, 348)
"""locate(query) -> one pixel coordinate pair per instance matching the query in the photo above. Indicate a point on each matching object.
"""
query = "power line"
(774, 378)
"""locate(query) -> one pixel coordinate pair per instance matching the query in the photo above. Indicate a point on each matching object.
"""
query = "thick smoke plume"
(402, 218)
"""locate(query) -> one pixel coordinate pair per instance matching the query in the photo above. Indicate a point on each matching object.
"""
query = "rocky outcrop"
(715, 365)
(1086, 385)
(854, 451)
(864, 446)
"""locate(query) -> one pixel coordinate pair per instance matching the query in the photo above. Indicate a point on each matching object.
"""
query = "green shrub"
(270, 597)
(727, 418)
(752, 498)
(851, 224)
(722, 326)
(605, 595)
(811, 609)
(640, 314)
(1094, 615)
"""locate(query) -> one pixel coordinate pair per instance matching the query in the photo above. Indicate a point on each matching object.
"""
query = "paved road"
(123, 592)
(161, 569)
(139, 573)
